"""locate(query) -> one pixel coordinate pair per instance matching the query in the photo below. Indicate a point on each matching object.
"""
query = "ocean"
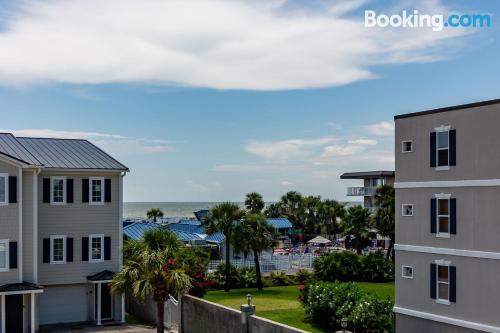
(134, 210)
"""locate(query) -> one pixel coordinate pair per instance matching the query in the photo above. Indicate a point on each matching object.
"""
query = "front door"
(106, 302)
(14, 313)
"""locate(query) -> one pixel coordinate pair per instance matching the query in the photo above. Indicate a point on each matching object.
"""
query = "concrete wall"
(200, 316)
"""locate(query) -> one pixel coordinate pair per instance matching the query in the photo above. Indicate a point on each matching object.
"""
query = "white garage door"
(63, 305)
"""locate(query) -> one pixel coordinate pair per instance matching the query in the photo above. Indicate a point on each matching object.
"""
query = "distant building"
(371, 180)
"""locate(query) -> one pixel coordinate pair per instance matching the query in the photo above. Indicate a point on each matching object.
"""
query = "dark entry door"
(106, 302)
(14, 313)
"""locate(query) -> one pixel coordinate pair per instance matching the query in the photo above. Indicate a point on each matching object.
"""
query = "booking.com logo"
(416, 20)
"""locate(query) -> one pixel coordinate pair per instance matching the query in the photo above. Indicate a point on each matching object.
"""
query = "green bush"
(247, 277)
(303, 276)
(327, 303)
(348, 266)
(219, 276)
(280, 279)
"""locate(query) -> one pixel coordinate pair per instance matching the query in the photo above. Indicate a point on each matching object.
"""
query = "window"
(4, 190)
(58, 190)
(96, 190)
(407, 146)
(376, 182)
(443, 283)
(443, 148)
(443, 216)
(96, 248)
(407, 272)
(57, 249)
(4, 255)
(407, 210)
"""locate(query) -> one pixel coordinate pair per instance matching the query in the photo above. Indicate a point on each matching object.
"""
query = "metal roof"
(101, 276)
(19, 287)
(10, 147)
(366, 174)
(280, 223)
(136, 231)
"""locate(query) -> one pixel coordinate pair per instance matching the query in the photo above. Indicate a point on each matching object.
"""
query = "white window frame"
(403, 272)
(403, 210)
(101, 202)
(442, 263)
(7, 255)
(101, 236)
(403, 145)
(447, 197)
(52, 238)
(52, 179)
(438, 130)
(6, 188)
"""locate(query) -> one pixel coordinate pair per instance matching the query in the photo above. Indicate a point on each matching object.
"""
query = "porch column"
(99, 304)
(32, 312)
(3, 313)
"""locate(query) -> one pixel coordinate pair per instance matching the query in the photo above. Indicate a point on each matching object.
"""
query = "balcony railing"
(361, 191)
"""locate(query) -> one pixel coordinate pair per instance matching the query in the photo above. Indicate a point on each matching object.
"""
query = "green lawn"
(282, 304)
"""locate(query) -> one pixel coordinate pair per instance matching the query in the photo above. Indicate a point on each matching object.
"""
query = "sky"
(209, 100)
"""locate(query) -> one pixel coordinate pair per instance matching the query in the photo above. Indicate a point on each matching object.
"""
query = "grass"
(282, 304)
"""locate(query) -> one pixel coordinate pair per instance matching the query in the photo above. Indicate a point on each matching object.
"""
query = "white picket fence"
(285, 263)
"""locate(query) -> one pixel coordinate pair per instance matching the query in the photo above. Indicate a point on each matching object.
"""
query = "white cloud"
(384, 128)
(286, 149)
(339, 150)
(223, 44)
(287, 183)
(112, 143)
(369, 142)
(257, 168)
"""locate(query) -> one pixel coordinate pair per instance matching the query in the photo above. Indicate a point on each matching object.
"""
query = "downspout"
(20, 216)
(120, 237)
(35, 225)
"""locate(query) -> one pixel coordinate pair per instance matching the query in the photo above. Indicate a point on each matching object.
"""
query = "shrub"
(279, 279)
(219, 276)
(303, 276)
(327, 303)
(376, 268)
(247, 277)
(195, 262)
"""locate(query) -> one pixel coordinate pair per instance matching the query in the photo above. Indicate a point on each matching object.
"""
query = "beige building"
(60, 233)
(447, 224)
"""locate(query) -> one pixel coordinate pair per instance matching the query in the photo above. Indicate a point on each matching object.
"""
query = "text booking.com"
(414, 19)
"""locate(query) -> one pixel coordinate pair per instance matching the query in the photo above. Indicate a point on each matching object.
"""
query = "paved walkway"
(104, 329)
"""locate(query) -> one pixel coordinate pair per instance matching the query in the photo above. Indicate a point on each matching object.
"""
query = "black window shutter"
(46, 250)
(107, 248)
(85, 190)
(453, 216)
(12, 255)
(46, 190)
(69, 249)
(85, 249)
(433, 280)
(69, 191)
(433, 149)
(12, 189)
(107, 190)
(453, 284)
(453, 147)
(433, 215)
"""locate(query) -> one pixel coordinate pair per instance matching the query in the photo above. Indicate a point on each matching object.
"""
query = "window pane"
(3, 256)
(443, 207)
(443, 225)
(58, 250)
(443, 157)
(443, 291)
(442, 140)
(407, 146)
(443, 273)
(96, 248)
(96, 190)
(2, 189)
(58, 190)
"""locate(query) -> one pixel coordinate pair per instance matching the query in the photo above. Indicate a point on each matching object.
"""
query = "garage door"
(63, 304)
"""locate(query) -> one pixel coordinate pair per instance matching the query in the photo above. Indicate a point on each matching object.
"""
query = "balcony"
(361, 191)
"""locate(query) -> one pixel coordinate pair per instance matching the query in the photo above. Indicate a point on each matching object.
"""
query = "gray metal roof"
(58, 153)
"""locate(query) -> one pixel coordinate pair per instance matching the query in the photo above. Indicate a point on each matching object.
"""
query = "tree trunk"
(228, 266)
(257, 270)
(389, 250)
(359, 250)
(160, 309)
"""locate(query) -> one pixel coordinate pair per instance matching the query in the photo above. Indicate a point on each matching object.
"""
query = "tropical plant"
(357, 229)
(385, 218)
(279, 279)
(376, 268)
(154, 214)
(311, 215)
(303, 276)
(258, 236)
(219, 276)
(194, 260)
(224, 218)
(273, 210)
(330, 212)
(149, 269)
(292, 206)
(254, 203)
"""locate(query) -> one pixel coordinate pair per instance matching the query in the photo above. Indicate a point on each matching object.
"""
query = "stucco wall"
(407, 324)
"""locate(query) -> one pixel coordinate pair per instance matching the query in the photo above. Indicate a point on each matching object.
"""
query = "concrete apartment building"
(60, 233)
(447, 223)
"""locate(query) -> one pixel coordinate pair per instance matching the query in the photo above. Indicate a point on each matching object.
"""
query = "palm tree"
(259, 236)
(154, 213)
(357, 228)
(311, 204)
(254, 202)
(273, 210)
(330, 212)
(385, 218)
(149, 269)
(292, 205)
(223, 218)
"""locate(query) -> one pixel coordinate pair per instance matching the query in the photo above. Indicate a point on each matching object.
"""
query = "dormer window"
(96, 191)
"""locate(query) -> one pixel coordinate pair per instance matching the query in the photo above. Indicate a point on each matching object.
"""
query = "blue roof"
(137, 229)
(218, 237)
(280, 223)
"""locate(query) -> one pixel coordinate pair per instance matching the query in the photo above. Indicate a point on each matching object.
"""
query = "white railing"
(172, 315)
(283, 263)
(361, 191)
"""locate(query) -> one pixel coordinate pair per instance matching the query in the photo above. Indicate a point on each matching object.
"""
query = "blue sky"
(234, 107)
